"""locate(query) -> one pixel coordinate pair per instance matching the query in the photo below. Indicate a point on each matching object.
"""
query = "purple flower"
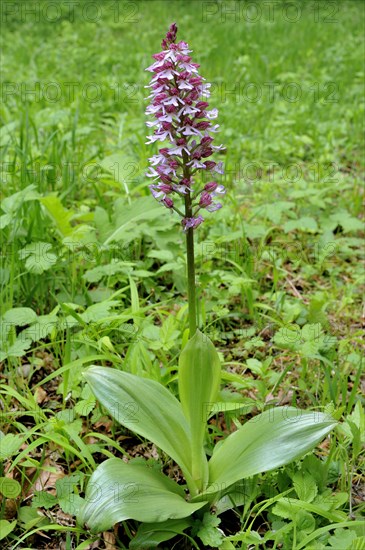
(179, 107)
(192, 223)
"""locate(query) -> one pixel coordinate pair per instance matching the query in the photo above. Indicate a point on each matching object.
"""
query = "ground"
(93, 269)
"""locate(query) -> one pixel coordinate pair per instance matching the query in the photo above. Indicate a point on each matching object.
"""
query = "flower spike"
(179, 107)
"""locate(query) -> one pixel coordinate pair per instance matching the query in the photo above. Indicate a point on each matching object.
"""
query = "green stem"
(191, 281)
(190, 255)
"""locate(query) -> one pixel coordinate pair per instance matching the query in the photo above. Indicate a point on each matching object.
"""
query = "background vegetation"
(93, 269)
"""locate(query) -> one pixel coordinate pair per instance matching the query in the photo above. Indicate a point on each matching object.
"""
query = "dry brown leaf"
(40, 395)
(46, 481)
(109, 540)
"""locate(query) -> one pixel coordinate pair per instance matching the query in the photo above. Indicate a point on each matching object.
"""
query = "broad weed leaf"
(146, 408)
(118, 491)
(267, 441)
(199, 382)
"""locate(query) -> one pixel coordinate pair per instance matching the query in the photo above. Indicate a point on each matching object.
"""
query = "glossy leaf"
(145, 407)
(150, 535)
(118, 491)
(270, 440)
(199, 382)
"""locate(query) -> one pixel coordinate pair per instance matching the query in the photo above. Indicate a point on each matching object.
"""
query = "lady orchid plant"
(182, 119)
(120, 490)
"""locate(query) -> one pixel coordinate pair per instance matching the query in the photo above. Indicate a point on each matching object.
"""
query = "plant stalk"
(190, 261)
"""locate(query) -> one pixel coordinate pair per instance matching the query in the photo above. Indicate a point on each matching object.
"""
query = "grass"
(93, 270)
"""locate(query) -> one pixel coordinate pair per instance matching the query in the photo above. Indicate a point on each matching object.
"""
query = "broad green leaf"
(20, 316)
(6, 528)
(142, 209)
(146, 408)
(124, 168)
(267, 441)
(199, 382)
(118, 491)
(60, 216)
(11, 204)
(5, 219)
(98, 311)
(150, 535)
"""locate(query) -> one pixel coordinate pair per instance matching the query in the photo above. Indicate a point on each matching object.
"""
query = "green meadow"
(93, 268)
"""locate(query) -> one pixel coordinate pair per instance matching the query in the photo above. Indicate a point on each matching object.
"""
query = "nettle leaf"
(145, 407)
(305, 486)
(208, 532)
(342, 538)
(18, 349)
(42, 327)
(163, 255)
(347, 222)
(85, 406)
(199, 383)
(290, 507)
(98, 311)
(306, 223)
(273, 214)
(38, 257)
(305, 522)
(20, 316)
(95, 274)
(169, 333)
(43, 499)
(308, 340)
(118, 491)
(71, 504)
(267, 441)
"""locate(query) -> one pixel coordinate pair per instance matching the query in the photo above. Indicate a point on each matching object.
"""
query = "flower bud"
(211, 186)
(205, 199)
(169, 203)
